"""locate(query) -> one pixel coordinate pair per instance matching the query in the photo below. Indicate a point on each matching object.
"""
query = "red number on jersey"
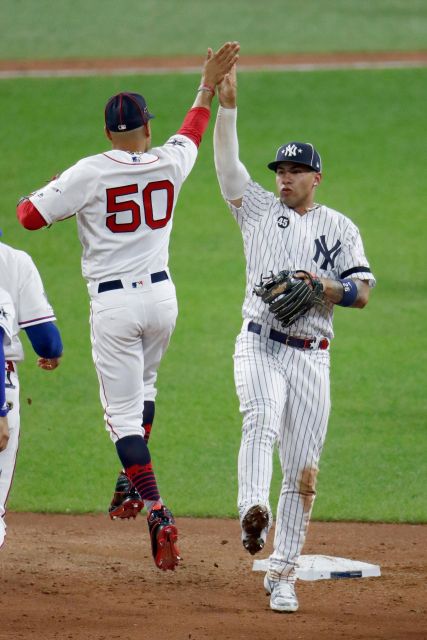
(148, 203)
(114, 207)
(125, 205)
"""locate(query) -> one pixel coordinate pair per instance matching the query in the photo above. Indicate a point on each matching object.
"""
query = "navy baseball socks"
(126, 502)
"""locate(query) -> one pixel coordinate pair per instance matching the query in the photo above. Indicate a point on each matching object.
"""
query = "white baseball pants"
(284, 399)
(130, 331)
(8, 456)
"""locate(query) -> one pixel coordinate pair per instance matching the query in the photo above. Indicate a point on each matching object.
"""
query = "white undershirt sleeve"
(232, 175)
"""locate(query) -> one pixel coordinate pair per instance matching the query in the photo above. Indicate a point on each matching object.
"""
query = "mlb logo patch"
(137, 284)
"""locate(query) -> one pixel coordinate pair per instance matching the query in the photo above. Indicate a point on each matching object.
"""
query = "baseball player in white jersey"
(282, 379)
(24, 305)
(124, 200)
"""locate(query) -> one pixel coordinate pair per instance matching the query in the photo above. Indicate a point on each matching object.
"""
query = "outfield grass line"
(129, 71)
(187, 65)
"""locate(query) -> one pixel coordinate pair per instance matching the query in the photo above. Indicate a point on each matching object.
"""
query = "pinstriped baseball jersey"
(282, 385)
(322, 241)
(124, 204)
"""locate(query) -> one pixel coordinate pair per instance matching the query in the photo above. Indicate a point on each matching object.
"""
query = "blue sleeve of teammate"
(45, 339)
(3, 407)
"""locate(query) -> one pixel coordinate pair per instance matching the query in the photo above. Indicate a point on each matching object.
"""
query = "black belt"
(290, 341)
(110, 285)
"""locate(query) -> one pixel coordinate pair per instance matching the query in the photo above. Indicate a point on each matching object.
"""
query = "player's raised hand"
(218, 64)
(227, 89)
(4, 432)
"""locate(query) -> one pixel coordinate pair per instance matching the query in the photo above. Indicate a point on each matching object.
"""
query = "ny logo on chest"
(324, 254)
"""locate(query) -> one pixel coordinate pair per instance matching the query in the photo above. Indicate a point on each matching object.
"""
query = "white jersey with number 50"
(123, 203)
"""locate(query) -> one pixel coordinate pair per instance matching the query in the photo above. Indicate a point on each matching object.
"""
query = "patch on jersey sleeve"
(176, 143)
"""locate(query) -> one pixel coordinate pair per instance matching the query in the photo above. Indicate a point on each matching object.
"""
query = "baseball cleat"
(254, 529)
(126, 502)
(282, 595)
(164, 536)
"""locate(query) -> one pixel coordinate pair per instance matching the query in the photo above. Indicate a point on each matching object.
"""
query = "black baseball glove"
(290, 294)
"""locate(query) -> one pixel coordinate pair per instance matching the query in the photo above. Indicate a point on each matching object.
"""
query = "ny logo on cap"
(291, 150)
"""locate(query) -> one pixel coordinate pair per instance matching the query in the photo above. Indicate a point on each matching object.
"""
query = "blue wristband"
(4, 410)
(349, 293)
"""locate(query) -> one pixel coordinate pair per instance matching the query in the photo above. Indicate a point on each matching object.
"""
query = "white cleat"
(282, 595)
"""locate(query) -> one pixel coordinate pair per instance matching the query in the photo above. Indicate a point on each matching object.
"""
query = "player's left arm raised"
(216, 65)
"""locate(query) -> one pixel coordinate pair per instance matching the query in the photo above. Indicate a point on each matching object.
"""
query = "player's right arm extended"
(233, 176)
(215, 67)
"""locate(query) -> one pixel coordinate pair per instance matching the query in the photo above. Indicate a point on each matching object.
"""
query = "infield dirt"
(88, 578)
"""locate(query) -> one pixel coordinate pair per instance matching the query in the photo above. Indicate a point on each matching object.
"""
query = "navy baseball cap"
(298, 152)
(126, 111)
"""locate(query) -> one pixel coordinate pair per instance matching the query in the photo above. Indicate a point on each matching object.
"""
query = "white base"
(327, 568)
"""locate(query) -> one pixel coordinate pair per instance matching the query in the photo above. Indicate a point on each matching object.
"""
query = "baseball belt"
(290, 341)
(110, 285)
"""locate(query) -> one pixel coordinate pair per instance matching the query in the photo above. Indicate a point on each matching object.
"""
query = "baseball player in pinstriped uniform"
(282, 379)
(124, 201)
(23, 305)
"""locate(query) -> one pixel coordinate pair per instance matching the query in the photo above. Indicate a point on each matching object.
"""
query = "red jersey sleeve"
(195, 124)
(29, 216)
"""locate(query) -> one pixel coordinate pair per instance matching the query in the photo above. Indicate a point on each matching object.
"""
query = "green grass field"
(369, 126)
(370, 129)
(47, 29)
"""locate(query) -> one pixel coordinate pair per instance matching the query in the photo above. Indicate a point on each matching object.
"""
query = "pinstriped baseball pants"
(284, 396)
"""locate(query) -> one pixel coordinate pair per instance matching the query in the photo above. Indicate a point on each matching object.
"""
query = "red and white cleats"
(164, 537)
(126, 502)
